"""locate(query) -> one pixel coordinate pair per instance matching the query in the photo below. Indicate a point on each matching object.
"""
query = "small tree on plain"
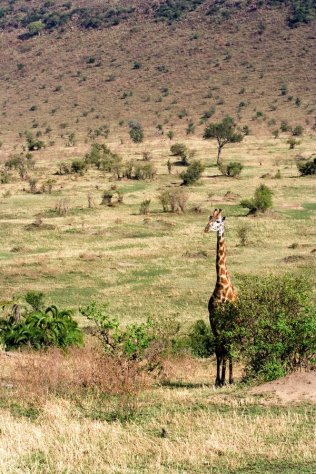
(224, 132)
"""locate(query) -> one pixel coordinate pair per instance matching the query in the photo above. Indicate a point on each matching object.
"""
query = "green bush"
(130, 341)
(32, 143)
(302, 11)
(201, 339)
(293, 142)
(78, 167)
(35, 299)
(233, 169)
(172, 10)
(193, 173)
(297, 131)
(136, 131)
(261, 202)
(39, 329)
(307, 168)
(102, 157)
(275, 325)
(180, 149)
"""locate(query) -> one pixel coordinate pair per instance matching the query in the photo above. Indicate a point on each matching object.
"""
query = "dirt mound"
(296, 387)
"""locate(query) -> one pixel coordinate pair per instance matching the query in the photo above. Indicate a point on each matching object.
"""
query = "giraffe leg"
(223, 370)
(231, 379)
(218, 368)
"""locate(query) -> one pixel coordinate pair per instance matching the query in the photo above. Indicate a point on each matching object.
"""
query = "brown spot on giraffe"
(224, 291)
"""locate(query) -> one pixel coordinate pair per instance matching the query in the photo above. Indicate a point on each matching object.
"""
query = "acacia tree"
(224, 132)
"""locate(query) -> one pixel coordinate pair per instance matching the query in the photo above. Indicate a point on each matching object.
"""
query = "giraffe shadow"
(188, 385)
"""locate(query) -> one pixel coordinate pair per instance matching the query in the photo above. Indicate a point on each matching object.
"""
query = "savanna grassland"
(78, 411)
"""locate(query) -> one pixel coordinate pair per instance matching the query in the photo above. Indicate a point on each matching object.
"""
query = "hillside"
(66, 68)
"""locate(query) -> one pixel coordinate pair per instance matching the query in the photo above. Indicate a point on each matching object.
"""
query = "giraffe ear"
(223, 218)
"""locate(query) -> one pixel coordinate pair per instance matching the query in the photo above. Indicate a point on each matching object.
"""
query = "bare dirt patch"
(296, 387)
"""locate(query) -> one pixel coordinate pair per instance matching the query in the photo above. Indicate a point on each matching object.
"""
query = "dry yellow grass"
(183, 425)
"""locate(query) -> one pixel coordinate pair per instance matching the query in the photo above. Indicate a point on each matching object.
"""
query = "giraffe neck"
(223, 279)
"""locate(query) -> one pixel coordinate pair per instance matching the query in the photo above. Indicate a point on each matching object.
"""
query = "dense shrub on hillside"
(174, 9)
(32, 143)
(136, 131)
(38, 329)
(307, 168)
(297, 131)
(302, 11)
(261, 202)
(193, 173)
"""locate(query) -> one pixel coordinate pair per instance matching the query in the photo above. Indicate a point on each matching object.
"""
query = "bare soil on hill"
(296, 387)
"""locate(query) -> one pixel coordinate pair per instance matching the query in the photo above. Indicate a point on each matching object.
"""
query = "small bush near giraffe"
(261, 202)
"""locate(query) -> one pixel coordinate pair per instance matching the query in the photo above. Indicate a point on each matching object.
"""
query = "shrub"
(193, 173)
(102, 157)
(201, 339)
(190, 128)
(144, 207)
(35, 299)
(62, 207)
(242, 233)
(293, 142)
(112, 197)
(297, 131)
(136, 131)
(180, 149)
(32, 143)
(78, 167)
(276, 325)
(261, 201)
(142, 345)
(233, 169)
(307, 168)
(172, 10)
(302, 11)
(284, 127)
(39, 329)
(145, 171)
(35, 27)
(174, 200)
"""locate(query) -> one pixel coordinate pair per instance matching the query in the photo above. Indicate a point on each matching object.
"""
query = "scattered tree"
(224, 132)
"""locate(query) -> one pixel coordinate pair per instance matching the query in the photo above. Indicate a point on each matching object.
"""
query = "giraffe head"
(216, 222)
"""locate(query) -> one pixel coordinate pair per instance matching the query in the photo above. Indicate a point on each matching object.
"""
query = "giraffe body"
(223, 292)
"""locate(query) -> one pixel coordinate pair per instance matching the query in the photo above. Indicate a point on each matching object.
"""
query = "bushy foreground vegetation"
(271, 328)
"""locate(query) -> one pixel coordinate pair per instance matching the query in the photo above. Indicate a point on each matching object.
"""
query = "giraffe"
(224, 291)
